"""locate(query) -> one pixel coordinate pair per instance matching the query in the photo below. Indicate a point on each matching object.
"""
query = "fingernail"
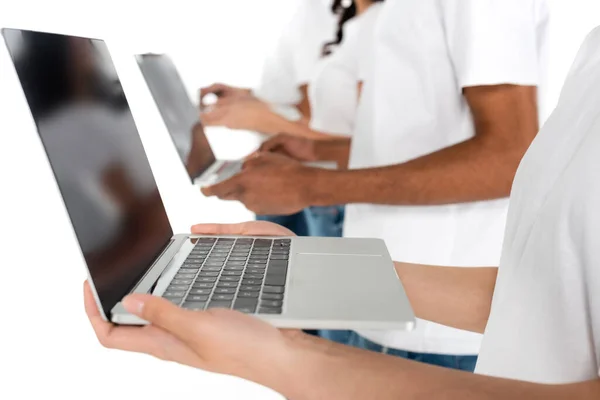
(133, 305)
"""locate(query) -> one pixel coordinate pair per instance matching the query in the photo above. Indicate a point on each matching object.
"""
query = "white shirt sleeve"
(492, 42)
(298, 51)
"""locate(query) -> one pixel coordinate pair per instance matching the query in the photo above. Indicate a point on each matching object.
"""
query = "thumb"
(163, 314)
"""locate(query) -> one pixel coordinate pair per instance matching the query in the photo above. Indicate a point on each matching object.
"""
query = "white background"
(47, 349)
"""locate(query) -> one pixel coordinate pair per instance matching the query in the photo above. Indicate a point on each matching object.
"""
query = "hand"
(247, 114)
(224, 93)
(252, 228)
(269, 184)
(298, 148)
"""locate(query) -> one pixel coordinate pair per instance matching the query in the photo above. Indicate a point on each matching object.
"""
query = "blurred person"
(333, 93)
(282, 93)
(445, 116)
(539, 310)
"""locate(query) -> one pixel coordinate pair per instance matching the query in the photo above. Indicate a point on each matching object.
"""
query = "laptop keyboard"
(245, 274)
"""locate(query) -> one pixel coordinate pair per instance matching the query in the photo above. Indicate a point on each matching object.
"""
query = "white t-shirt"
(298, 51)
(545, 321)
(425, 53)
(333, 92)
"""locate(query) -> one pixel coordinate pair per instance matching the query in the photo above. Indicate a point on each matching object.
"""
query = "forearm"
(331, 371)
(279, 124)
(456, 297)
(470, 171)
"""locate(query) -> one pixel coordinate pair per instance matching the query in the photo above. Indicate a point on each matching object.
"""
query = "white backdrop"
(46, 346)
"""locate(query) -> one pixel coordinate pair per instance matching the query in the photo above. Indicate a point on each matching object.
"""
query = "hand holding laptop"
(217, 340)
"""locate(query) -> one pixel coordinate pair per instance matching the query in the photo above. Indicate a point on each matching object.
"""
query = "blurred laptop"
(121, 225)
(182, 119)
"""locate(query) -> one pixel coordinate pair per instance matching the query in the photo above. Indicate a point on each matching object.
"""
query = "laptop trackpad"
(340, 287)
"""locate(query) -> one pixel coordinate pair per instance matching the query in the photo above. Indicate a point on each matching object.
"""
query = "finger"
(212, 89)
(219, 229)
(272, 144)
(256, 228)
(123, 338)
(166, 316)
(214, 116)
(254, 161)
(228, 188)
(251, 156)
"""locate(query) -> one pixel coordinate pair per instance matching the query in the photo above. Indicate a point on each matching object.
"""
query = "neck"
(362, 6)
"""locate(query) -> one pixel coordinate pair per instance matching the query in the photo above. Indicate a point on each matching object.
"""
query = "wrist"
(314, 186)
(306, 365)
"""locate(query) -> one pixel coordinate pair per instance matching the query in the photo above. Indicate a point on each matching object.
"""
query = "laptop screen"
(179, 113)
(96, 154)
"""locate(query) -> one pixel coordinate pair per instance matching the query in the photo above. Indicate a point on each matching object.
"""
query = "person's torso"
(544, 325)
(413, 107)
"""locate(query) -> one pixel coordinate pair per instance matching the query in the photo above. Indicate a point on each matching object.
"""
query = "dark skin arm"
(481, 168)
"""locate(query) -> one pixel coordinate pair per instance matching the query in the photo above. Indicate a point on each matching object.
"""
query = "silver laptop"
(182, 119)
(124, 234)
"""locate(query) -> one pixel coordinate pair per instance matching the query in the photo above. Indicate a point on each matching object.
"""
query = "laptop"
(182, 119)
(120, 222)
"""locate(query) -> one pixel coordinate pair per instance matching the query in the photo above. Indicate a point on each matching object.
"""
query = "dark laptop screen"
(179, 113)
(96, 154)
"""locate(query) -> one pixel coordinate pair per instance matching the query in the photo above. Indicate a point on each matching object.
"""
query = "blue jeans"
(296, 223)
(313, 221)
(462, 363)
(325, 221)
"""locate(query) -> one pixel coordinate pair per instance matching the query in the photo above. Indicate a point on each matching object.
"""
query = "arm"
(456, 297)
(322, 370)
(481, 168)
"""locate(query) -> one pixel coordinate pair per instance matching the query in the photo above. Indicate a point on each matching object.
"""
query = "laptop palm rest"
(346, 288)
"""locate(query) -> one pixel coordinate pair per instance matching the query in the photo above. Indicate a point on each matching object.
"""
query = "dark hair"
(345, 14)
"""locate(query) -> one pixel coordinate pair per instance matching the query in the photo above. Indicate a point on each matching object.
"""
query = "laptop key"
(271, 303)
(168, 295)
(213, 269)
(255, 271)
(197, 298)
(273, 289)
(222, 297)
(275, 280)
(203, 291)
(252, 282)
(203, 285)
(253, 276)
(227, 284)
(175, 300)
(271, 296)
(237, 259)
(252, 295)
(250, 288)
(182, 281)
(232, 273)
(208, 273)
(225, 290)
(219, 304)
(214, 263)
(229, 279)
(177, 288)
(269, 311)
(185, 276)
(235, 263)
(206, 279)
(235, 268)
(194, 306)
